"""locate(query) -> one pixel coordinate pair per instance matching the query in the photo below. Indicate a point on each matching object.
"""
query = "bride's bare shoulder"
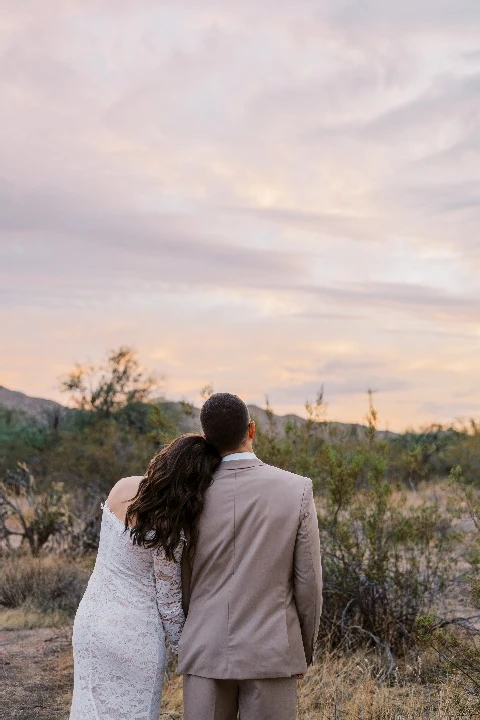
(123, 493)
(126, 484)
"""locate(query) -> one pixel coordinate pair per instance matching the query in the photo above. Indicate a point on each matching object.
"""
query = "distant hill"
(40, 409)
(187, 416)
(183, 414)
(353, 430)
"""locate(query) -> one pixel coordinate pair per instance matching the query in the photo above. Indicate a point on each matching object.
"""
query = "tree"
(207, 391)
(115, 384)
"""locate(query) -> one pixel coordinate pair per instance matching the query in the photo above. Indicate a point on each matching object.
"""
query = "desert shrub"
(421, 455)
(96, 455)
(457, 646)
(84, 533)
(23, 438)
(90, 454)
(16, 428)
(94, 451)
(384, 561)
(269, 444)
(35, 517)
(465, 453)
(467, 495)
(302, 447)
(45, 584)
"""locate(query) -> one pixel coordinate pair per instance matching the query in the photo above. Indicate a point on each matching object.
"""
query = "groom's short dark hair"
(225, 420)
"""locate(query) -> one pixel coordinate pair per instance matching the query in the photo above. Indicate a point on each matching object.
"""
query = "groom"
(255, 585)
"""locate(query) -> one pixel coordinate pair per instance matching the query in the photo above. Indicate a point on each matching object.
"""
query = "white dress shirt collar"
(239, 456)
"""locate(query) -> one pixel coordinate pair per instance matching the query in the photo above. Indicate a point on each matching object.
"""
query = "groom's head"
(226, 423)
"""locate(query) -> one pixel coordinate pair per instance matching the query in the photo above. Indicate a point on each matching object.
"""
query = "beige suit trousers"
(262, 699)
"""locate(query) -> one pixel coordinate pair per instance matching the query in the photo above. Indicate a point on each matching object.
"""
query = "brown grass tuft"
(342, 688)
(31, 587)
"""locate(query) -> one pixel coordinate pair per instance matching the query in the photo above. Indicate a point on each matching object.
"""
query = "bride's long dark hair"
(170, 496)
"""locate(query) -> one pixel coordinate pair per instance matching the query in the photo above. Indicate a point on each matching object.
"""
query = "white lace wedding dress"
(133, 600)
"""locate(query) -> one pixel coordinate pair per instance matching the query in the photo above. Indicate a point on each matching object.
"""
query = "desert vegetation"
(399, 517)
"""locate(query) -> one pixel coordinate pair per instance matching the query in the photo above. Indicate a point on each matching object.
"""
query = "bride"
(133, 601)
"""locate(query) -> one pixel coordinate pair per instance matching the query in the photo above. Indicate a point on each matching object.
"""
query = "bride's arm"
(168, 588)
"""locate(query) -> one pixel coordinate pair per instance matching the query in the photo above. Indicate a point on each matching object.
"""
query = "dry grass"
(336, 688)
(41, 592)
(340, 688)
(36, 586)
(24, 618)
(172, 701)
(44, 592)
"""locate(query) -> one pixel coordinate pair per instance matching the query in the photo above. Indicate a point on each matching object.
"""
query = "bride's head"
(170, 496)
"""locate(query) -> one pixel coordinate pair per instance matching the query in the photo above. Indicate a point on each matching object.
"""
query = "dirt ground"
(36, 676)
(36, 684)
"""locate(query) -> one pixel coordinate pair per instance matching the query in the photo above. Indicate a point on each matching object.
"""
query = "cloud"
(329, 224)
(430, 302)
(448, 105)
(420, 15)
(296, 182)
(443, 197)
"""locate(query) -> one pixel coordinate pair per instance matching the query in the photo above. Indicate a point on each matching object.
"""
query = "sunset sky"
(268, 195)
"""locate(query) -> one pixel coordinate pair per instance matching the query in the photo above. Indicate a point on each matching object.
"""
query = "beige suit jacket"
(256, 582)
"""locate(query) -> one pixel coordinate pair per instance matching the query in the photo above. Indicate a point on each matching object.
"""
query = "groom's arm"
(307, 572)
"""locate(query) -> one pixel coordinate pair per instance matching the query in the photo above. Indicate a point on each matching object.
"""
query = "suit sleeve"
(307, 572)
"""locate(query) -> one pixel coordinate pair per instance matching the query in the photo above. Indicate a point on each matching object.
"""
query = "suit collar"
(242, 464)
(239, 456)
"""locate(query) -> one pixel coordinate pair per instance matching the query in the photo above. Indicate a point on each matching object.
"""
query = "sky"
(270, 196)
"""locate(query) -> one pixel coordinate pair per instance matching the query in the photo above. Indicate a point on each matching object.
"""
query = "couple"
(212, 534)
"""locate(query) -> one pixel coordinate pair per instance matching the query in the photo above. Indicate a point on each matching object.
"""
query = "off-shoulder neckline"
(119, 522)
(112, 514)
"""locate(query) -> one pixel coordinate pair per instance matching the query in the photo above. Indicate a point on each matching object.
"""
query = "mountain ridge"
(39, 408)
(186, 414)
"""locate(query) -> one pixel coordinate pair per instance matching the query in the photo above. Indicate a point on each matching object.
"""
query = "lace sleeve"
(168, 588)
